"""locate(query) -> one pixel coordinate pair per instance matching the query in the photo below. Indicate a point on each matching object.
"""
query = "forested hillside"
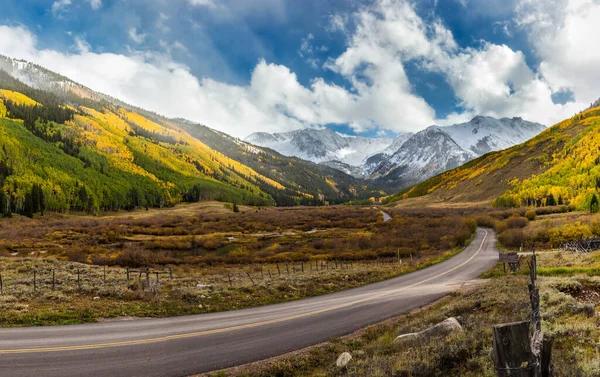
(67, 150)
(294, 173)
(559, 166)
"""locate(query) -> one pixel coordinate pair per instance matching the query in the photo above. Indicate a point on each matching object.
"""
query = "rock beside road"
(444, 328)
(343, 360)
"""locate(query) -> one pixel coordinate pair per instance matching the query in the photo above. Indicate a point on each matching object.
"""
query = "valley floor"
(204, 257)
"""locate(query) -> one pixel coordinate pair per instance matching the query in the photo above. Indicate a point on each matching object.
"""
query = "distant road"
(386, 217)
(181, 346)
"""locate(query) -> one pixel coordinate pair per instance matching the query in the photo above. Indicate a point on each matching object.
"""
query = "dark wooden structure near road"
(519, 349)
(512, 259)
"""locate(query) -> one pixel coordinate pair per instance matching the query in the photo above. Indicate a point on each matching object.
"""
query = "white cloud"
(337, 23)
(564, 35)
(59, 6)
(81, 45)
(135, 36)
(489, 79)
(95, 4)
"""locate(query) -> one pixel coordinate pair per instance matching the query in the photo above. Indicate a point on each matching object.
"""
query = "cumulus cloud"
(564, 36)
(488, 79)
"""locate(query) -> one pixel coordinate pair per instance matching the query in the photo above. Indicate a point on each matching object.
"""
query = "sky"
(362, 67)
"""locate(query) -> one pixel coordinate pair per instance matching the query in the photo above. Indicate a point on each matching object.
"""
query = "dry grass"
(465, 354)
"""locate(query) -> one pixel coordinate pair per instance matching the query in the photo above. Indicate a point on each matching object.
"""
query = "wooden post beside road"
(519, 351)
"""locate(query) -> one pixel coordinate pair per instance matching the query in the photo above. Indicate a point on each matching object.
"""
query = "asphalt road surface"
(182, 346)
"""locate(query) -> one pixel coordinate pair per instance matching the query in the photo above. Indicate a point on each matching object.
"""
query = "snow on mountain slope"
(423, 155)
(437, 149)
(485, 134)
(321, 145)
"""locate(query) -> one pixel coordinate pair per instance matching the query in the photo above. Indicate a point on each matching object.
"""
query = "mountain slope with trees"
(559, 166)
(64, 147)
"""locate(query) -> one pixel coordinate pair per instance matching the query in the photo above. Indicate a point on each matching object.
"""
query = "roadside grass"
(193, 290)
(501, 300)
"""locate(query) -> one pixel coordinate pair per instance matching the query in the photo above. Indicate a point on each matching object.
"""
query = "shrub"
(512, 238)
(516, 222)
(101, 260)
(133, 257)
(77, 255)
(530, 215)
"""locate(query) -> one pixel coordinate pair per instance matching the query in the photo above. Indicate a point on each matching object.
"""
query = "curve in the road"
(182, 346)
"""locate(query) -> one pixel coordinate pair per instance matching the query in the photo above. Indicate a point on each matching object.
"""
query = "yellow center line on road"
(233, 328)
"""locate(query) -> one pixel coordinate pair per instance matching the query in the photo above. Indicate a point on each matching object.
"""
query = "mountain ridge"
(402, 162)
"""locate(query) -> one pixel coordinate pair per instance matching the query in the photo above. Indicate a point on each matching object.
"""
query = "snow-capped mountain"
(485, 134)
(39, 77)
(424, 155)
(322, 145)
(437, 149)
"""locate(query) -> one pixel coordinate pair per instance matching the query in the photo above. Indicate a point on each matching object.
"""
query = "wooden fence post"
(1, 292)
(170, 274)
(250, 277)
(35, 279)
(511, 350)
(127, 271)
(518, 351)
(105, 274)
(78, 278)
(278, 270)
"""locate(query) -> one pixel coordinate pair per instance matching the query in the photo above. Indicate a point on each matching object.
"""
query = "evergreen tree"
(28, 205)
(560, 200)
(594, 206)
(550, 200)
(42, 200)
(35, 199)
(3, 203)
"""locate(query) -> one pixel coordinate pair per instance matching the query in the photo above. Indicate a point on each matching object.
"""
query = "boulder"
(343, 360)
(204, 286)
(444, 328)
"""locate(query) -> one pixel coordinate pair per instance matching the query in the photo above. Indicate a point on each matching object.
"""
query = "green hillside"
(69, 148)
(560, 165)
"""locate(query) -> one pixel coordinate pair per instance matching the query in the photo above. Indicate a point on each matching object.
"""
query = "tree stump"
(511, 350)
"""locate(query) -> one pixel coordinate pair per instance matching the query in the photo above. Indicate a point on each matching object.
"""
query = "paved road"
(386, 217)
(182, 346)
